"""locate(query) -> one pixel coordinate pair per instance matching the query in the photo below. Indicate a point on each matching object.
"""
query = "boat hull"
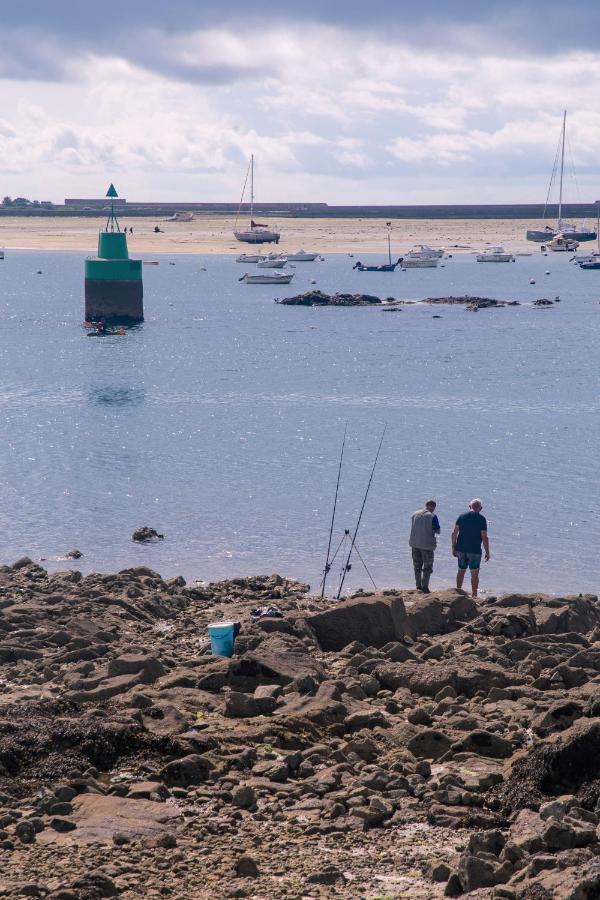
(257, 237)
(580, 236)
(420, 262)
(265, 279)
(540, 236)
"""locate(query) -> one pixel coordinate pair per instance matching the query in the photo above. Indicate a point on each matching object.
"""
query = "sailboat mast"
(252, 189)
(389, 248)
(562, 167)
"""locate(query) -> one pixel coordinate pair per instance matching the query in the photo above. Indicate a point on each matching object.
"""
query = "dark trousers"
(423, 564)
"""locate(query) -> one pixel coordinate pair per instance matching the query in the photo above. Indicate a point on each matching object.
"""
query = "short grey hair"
(476, 502)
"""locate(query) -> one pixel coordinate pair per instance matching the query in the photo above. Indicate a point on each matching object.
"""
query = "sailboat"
(256, 233)
(389, 266)
(563, 229)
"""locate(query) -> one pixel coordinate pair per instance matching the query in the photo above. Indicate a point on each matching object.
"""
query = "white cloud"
(330, 114)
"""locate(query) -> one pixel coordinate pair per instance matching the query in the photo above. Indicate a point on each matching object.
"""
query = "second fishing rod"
(348, 537)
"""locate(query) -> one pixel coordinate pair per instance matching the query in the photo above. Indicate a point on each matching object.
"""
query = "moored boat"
(277, 262)
(267, 278)
(302, 256)
(495, 254)
(250, 258)
(424, 251)
(420, 262)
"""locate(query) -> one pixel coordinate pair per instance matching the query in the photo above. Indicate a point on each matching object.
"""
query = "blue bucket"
(222, 636)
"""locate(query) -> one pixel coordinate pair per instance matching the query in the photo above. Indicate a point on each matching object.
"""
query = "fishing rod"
(337, 487)
(347, 567)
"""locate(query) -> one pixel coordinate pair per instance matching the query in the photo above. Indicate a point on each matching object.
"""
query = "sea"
(219, 421)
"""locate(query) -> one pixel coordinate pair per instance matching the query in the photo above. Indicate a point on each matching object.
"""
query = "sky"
(341, 102)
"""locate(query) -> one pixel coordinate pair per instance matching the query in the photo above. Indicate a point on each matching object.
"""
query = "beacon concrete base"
(114, 301)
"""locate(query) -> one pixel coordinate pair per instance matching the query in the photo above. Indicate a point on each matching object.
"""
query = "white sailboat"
(256, 233)
(563, 229)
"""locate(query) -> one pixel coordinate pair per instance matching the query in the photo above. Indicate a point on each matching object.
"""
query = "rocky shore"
(470, 303)
(390, 745)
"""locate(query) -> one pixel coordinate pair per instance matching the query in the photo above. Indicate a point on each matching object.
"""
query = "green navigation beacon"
(113, 283)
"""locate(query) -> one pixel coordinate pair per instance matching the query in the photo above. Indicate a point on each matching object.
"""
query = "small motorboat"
(276, 262)
(250, 258)
(151, 262)
(588, 258)
(267, 278)
(420, 262)
(1, 252)
(590, 263)
(424, 251)
(302, 256)
(496, 255)
(562, 244)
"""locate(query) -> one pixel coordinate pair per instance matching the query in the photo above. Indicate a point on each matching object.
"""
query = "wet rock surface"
(390, 745)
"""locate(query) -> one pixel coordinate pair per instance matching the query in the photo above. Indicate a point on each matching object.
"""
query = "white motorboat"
(256, 233)
(302, 256)
(276, 262)
(424, 251)
(588, 259)
(562, 244)
(419, 262)
(267, 278)
(250, 258)
(495, 254)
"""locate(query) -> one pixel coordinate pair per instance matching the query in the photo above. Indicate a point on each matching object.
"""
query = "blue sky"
(397, 103)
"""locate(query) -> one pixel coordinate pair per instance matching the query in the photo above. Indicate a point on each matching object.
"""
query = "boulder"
(189, 770)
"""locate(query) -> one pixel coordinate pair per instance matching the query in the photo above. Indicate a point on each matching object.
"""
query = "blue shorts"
(469, 560)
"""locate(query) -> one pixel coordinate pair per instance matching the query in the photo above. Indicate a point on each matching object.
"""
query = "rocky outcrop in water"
(471, 303)
(318, 298)
(394, 743)
(146, 535)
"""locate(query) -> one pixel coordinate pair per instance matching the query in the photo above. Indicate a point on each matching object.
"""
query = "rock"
(240, 706)
(329, 875)
(439, 871)
(73, 554)
(266, 697)
(148, 667)
(484, 743)
(189, 770)
(482, 871)
(25, 831)
(96, 884)
(454, 887)
(146, 535)
(246, 867)
(61, 824)
(244, 797)
(429, 744)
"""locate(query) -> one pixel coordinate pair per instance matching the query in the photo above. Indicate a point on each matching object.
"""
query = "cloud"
(342, 113)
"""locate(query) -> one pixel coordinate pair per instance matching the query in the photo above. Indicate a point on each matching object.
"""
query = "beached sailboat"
(389, 266)
(563, 228)
(256, 233)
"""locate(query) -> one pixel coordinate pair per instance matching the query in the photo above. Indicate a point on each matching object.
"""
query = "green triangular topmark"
(111, 192)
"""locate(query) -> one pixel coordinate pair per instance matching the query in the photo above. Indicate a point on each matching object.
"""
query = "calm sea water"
(219, 421)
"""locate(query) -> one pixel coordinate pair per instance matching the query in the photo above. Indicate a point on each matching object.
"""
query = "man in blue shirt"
(469, 533)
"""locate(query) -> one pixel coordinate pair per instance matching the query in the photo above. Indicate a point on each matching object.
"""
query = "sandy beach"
(213, 234)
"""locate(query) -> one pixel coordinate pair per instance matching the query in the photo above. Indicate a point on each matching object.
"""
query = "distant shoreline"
(214, 235)
(442, 211)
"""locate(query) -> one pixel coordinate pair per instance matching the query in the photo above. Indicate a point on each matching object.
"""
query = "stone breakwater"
(391, 745)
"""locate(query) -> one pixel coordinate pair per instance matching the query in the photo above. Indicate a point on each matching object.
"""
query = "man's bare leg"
(474, 581)
(460, 577)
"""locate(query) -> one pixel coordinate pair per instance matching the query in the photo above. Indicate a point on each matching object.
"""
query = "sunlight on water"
(219, 421)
